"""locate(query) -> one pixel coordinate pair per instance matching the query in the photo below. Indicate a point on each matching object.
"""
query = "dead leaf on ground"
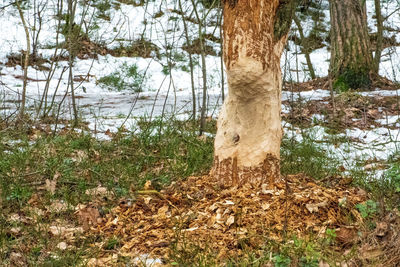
(313, 207)
(98, 191)
(16, 259)
(65, 232)
(148, 185)
(382, 228)
(62, 246)
(346, 235)
(57, 206)
(88, 216)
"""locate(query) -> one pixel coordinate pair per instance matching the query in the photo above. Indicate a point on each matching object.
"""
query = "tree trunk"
(351, 58)
(306, 50)
(249, 131)
(379, 36)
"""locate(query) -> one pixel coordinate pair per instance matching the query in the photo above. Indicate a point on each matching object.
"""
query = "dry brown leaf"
(148, 185)
(50, 186)
(88, 216)
(65, 232)
(368, 252)
(57, 206)
(314, 207)
(16, 259)
(382, 228)
(34, 199)
(98, 191)
(14, 218)
(15, 231)
(230, 220)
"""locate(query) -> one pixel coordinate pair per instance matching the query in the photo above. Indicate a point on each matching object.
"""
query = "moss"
(283, 17)
(351, 79)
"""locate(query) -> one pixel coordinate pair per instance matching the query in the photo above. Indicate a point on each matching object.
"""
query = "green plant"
(112, 243)
(281, 260)
(350, 79)
(368, 208)
(393, 177)
(128, 78)
(330, 235)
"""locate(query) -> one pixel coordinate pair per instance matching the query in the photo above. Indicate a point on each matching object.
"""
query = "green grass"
(307, 157)
(162, 151)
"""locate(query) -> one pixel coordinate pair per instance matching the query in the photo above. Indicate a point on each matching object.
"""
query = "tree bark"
(249, 131)
(306, 50)
(26, 61)
(379, 36)
(351, 58)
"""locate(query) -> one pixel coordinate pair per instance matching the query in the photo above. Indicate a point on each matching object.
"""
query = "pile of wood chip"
(228, 220)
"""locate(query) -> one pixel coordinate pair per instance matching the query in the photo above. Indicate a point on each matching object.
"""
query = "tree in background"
(351, 58)
(247, 143)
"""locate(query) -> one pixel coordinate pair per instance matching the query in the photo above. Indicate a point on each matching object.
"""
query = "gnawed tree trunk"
(249, 131)
(351, 58)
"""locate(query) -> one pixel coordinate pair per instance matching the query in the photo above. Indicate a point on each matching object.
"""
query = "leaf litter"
(229, 220)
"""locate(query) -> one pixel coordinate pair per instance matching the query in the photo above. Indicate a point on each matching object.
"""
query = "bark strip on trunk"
(249, 131)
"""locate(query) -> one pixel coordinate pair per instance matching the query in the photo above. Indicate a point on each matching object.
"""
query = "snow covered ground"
(165, 93)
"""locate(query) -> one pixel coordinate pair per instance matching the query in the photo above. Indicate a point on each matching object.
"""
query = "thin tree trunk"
(379, 36)
(190, 62)
(203, 70)
(222, 62)
(71, 55)
(306, 49)
(26, 60)
(249, 131)
(351, 58)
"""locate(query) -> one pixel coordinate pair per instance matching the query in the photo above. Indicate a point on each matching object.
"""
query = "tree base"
(228, 173)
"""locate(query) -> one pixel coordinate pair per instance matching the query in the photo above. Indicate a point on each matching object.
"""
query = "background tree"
(351, 57)
(249, 134)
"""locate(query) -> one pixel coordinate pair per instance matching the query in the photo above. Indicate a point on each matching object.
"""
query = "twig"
(155, 192)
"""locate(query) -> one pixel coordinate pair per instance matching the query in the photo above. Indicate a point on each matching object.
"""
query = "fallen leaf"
(314, 207)
(229, 202)
(98, 191)
(57, 206)
(15, 231)
(147, 185)
(62, 246)
(88, 216)
(34, 199)
(15, 218)
(16, 259)
(382, 229)
(230, 220)
(265, 206)
(346, 235)
(51, 186)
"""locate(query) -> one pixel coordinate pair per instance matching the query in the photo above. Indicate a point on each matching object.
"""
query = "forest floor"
(144, 197)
